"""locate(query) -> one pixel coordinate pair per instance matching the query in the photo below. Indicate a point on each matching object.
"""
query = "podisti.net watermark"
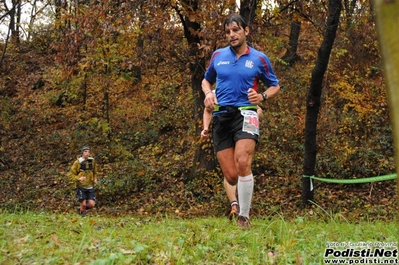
(361, 253)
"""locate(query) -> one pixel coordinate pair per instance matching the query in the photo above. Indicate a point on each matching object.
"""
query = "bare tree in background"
(313, 98)
(14, 14)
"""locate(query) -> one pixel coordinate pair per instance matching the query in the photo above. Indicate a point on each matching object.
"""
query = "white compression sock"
(245, 188)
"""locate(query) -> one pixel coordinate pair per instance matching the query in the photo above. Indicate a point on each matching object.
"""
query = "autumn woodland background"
(124, 77)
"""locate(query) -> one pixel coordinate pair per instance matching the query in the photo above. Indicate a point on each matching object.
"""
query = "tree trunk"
(197, 67)
(139, 47)
(387, 13)
(247, 10)
(15, 18)
(313, 99)
(204, 157)
(12, 20)
(57, 4)
(291, 56)
(7, 37)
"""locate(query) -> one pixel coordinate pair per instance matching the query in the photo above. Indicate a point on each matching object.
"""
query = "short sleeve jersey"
(234, 77)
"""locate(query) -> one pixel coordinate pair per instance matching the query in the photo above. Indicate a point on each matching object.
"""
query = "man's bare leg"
(231, 191)
(226, 161)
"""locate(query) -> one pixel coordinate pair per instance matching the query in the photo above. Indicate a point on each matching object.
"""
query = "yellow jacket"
(86, 168)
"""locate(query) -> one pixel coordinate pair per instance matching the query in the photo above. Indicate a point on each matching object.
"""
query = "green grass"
(44, 238)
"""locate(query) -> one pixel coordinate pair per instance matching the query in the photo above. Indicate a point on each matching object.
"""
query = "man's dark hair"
(237, 19)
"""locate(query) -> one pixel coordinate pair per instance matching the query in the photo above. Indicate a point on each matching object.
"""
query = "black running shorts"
(85, 194)
(228, 129)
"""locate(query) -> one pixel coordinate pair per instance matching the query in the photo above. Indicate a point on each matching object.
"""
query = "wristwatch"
(264, 95)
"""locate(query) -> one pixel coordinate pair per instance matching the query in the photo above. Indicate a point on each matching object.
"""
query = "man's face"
(86, 154)
(236, 35)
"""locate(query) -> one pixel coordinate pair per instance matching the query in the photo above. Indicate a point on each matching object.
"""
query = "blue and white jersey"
(234, 77)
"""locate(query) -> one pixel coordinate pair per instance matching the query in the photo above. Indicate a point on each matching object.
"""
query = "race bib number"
(251, 122)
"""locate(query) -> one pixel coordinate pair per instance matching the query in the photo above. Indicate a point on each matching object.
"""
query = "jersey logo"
(249, 64)
(223, 62)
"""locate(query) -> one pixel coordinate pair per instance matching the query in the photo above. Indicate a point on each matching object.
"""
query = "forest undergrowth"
(146, 159)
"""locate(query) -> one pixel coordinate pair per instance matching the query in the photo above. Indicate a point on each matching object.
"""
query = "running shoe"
(243, 222)
(235, 210)
(83, 214)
